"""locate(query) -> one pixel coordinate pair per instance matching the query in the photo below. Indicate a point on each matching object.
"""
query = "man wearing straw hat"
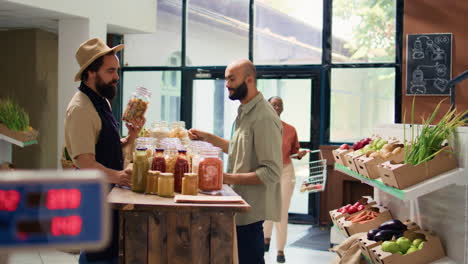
(92, 135)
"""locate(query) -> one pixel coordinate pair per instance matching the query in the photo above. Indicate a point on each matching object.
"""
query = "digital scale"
(53, 209)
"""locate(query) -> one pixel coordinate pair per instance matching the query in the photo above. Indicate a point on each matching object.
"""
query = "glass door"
(212, 111)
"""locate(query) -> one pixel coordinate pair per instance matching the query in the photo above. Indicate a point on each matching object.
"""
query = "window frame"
(325, 67)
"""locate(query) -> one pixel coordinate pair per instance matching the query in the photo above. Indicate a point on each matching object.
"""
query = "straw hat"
(89, 51)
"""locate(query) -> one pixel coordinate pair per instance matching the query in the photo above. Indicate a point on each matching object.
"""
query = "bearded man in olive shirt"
(255, 158)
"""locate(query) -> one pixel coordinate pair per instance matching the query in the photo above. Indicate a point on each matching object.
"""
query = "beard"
(240, 92)
(106, 90)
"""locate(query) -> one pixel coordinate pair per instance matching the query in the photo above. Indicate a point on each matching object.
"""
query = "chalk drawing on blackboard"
(431, 48)
(428, 64)
(418, 83)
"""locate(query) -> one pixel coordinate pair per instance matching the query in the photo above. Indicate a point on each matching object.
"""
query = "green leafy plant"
(427, 141)
(13, 115)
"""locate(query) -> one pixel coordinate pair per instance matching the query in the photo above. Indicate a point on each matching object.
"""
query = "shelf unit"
(439, 204)
(6, 147)
(457, 176)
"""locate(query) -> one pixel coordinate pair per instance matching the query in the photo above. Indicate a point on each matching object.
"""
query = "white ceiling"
(15, 16)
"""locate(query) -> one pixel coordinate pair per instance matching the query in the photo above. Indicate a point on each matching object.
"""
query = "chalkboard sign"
(429, 64)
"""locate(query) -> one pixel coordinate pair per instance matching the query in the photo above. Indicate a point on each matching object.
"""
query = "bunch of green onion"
(430, 138)
(13, 115)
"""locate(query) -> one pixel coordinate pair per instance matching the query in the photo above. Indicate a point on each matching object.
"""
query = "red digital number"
(63, 199)
(9, 200)
(68, 225)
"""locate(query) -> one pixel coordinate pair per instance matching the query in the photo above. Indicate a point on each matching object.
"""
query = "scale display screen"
(52, 212)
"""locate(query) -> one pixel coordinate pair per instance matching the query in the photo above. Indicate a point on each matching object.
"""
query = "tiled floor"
(294, 255)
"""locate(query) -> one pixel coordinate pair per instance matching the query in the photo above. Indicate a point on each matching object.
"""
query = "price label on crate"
(56, 209)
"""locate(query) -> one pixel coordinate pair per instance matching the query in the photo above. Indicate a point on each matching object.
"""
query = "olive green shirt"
(255, 146)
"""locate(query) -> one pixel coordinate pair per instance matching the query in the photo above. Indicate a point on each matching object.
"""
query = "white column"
(72, 32)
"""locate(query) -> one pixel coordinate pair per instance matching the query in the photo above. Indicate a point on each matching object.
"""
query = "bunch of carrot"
(363, 217)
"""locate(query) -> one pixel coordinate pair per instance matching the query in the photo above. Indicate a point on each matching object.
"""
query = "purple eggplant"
(371, 233)
(385, 235)
(395, 225)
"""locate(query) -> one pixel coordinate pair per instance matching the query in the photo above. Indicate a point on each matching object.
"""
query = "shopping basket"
(316, 180)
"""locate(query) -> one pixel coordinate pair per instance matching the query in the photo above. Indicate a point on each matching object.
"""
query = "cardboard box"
(367, 166)
(23, 136)
(431, 251)
(349, 228)
(402, 176)
(335, 215)
(339, 155)
(367, 245)
(349, 159)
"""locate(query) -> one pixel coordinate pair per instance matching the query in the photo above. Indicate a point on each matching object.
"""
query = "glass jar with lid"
(140, 170)
(166, 185)
(210, 170)
(152, 182)
(178, 130)
(181, 167)
(137, 105)
(160, 130)
(171, 154)
(190, 184)
(159, 161)
(146, 142)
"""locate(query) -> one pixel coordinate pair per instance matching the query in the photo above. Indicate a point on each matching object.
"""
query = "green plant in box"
(428, 141)
(13, 115)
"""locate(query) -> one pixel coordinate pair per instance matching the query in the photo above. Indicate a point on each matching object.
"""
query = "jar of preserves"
(210, 170)
(146, 142)
(181, 167)
(171, 154)
(159, 161)
(140, 170)
(166, 185)
(137, 105)
(152, 182)
(190, 184)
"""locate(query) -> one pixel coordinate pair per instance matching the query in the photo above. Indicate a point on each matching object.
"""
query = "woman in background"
(290, 146)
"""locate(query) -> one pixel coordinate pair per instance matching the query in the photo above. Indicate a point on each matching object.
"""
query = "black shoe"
(267, 247)
(280, 259)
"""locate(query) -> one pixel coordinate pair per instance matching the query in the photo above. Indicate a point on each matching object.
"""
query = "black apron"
(108, 151)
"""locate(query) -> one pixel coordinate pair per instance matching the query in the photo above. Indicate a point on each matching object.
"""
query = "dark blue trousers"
(250, 243)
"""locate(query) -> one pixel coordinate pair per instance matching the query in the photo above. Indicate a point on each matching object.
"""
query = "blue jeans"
(250, 243)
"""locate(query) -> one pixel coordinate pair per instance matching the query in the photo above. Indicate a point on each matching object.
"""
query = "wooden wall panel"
(435, 16)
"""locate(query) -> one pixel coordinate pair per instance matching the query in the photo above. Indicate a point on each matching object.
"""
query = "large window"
(355, 46)
(156, 49)
(288, 32)
(165, 94)
(361, 98)
(217, 31)
(365, 30)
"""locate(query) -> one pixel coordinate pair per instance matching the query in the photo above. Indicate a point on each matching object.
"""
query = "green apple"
(404, 243)
(421, 245)
(411, 250)
(390, 246)
(417, 241)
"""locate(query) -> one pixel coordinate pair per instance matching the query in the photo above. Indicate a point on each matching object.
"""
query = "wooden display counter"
(154, 229)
